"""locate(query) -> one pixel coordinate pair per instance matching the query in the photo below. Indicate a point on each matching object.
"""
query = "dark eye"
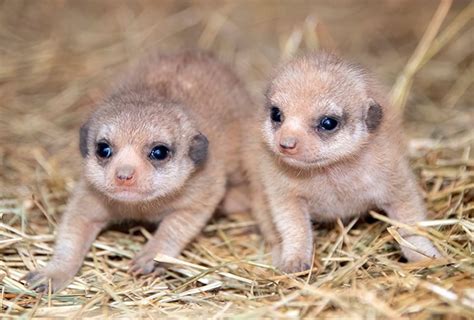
(159, 153)
(103, 150)
(328, 123)
(275, 114)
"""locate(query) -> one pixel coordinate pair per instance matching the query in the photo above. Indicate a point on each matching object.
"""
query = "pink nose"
(125, 176)
(288, 145)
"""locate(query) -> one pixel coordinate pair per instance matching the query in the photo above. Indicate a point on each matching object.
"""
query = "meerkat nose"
(125, 175)
(288, 145)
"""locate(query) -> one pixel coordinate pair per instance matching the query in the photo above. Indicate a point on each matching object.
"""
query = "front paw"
(424, 249)
(294, 263)
(40, 280)
(143, 264)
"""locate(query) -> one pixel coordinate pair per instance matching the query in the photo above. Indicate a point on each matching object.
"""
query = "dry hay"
(56, 56)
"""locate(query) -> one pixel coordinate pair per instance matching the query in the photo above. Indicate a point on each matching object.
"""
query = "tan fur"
(327, 175)
(168, 99)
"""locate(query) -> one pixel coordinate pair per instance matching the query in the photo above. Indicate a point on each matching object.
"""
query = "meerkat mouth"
(303, 162)
(129, 195)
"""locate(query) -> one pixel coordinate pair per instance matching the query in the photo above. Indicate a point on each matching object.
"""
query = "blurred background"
(57, 56)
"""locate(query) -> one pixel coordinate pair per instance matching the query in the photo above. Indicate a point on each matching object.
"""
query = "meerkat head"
(138, 148)
(319, 111)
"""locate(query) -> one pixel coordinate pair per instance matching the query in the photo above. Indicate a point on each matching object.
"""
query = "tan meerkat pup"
(161, 147)
(327, 145)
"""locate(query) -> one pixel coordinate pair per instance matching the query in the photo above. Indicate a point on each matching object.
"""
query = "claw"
(36, 281)
(41, 280)
(295, 264)
(143, 265)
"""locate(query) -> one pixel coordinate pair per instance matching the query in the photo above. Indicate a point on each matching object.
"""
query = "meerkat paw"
(144, 264)
(294, 263)
(40, 280)
(425, 249)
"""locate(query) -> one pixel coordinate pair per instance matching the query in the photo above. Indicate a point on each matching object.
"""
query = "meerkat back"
(212, 92)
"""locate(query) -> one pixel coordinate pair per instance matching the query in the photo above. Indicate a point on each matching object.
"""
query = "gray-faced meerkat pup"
(327, 145)
(161, 147)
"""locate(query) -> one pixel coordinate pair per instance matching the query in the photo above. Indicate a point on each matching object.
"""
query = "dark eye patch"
(328, 123)
(276, 115)
(159, 153)
(103, 150)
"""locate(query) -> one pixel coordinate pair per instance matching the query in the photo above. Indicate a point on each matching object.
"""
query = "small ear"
(268, 92)
(374, 116)
(83, 134)
(198, 149)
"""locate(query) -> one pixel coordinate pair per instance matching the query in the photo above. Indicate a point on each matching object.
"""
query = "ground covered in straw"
(57, 56)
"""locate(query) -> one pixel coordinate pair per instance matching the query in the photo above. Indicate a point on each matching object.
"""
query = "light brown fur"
(174, 100)
(326, 175)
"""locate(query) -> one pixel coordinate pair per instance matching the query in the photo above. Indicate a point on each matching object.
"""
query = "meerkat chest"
(342, 194)
(144, 212)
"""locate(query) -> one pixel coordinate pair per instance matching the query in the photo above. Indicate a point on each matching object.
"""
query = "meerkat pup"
(327, 145)
(161, 147)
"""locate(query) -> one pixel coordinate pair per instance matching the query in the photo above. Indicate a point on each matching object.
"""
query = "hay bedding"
(57, 57)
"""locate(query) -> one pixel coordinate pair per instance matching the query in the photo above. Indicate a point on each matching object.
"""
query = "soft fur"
(361, 165)
(188, 102)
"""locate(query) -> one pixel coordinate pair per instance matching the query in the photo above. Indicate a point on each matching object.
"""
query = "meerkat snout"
(124, 170)
(289, 135)
(288, 145)
(125, 175)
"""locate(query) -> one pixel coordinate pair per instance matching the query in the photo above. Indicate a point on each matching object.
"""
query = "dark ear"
(83, 134)
(374, 116)
(198, 149)
(267, 93)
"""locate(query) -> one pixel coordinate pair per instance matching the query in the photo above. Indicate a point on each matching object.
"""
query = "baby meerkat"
(327, 145)
(161, 147)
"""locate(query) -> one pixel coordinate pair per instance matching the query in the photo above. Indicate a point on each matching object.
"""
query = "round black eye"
(328, 123)
(103, 150)
(159, 153)
(275, 114)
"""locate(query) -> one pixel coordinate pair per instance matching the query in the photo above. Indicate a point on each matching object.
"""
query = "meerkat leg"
(175, 231)
(235, 200)
(77, 230)
(407, 207)
(294, 227)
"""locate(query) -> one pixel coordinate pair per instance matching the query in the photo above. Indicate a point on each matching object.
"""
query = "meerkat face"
(139, 153)
(318, 113)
